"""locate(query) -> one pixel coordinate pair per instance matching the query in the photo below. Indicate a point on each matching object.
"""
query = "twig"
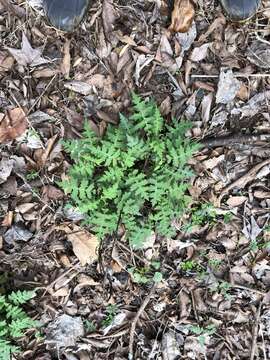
(263, 342)
(203, 76)
(104, 337)
(235, 140)
(194, 305)
(255, 333)
(242, 287)
(124, 247)
(73, 267)
(41, 95)
(135, 320)
(243, 180)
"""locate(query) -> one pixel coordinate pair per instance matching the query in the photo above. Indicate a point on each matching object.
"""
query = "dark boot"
(65, 14)
(239, 10)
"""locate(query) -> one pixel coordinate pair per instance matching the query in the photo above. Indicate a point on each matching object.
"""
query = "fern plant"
(135, 175)
(13, 321)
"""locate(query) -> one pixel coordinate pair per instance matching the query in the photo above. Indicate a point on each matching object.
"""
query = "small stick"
(243, 180)
(234, 140)
(255, 333)
(135, 320)
(194, 305)
(242, 287)
(203, 76)
(73, 267)
(263, 342)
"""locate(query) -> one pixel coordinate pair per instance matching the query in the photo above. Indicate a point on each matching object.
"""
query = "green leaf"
(158, 277)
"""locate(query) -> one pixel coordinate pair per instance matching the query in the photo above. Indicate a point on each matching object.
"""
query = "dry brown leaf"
(13, 125)
(45, 73)
(28, 55)
(62, 292)
(84, 244)
(25, 207)
(16, 10)
(84, 281)
(182, 16)
(125, 39)
(109, 17)
(8, 219)
(6, 61)
(199, 53)
(259, 194)
(243, 93)
(50, 192)
(79, 87)
(235, 201)
(45, 153)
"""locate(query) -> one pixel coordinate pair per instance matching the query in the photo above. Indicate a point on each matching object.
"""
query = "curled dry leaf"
(182, 15)
(13, 125)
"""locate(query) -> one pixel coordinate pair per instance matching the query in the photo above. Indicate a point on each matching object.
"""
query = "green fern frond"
(21, 297)
(135, 175)
(6, 349)
(14, 312)
(14, 321)
(18, 326)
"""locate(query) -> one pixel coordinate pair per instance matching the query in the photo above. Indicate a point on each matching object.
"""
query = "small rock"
(64, 331)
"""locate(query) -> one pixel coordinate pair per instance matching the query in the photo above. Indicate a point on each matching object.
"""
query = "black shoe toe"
(239, 10)
(65, 14)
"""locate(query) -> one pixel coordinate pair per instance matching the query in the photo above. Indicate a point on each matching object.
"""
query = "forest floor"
(213, 301)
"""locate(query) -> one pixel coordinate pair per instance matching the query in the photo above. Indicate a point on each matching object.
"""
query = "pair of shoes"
(67, 14)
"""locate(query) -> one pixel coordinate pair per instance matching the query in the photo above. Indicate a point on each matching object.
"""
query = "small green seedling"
(227, 217)
(111, 311)
(201, 215)
(32, 175)
(202, 332)
(190, 266)
(145, 275)
(223, 288)
(214, 263)
(89, 326)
